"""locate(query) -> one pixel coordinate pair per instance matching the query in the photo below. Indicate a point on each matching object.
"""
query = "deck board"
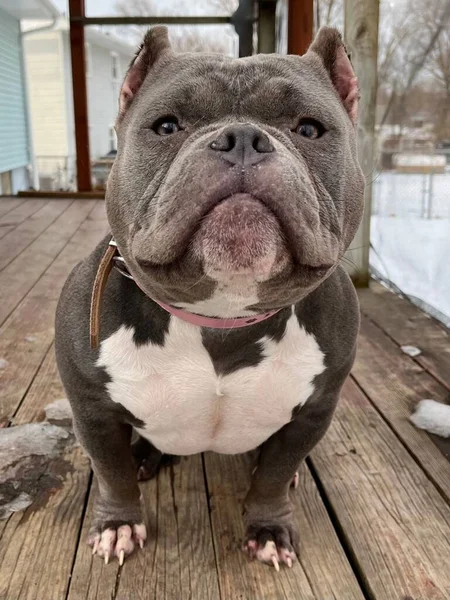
(19, 214)
(24, 271)
(323, 570)
(27, 334)
(178, 560)
(49, 557)
(12, 244)
(373, 515)
(395, 521)
(395, 384)
(408, 325)
(7, 204)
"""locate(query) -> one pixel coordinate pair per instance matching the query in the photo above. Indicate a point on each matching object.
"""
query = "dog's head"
(236, 186)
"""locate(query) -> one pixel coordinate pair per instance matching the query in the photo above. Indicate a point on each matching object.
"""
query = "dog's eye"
(166, 126)
(310, 128)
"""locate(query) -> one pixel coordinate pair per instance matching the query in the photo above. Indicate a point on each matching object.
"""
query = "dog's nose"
(243, 145)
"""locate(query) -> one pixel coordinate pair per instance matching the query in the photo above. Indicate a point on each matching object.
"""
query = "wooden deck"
(372, 506)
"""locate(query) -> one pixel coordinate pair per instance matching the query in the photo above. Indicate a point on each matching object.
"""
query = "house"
(16, 152)
(48, 65)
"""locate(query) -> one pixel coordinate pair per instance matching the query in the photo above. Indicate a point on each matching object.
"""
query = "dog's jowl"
(228, 324)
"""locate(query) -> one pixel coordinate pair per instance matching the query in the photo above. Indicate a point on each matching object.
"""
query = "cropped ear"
(329, 46)
(155, 43)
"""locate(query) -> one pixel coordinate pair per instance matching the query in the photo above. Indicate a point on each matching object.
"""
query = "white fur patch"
(229, 299)
(433, 417)
(187, 408)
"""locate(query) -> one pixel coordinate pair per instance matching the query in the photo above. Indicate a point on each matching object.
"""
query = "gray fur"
(159, 194)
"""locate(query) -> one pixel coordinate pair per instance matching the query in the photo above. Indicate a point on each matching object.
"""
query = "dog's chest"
(186, 407)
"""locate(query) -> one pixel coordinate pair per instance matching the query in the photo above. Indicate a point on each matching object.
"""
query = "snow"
(433, 417)
(412, 251)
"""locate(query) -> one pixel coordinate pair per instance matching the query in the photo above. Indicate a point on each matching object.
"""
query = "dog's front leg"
(117, 525)
(271, 536)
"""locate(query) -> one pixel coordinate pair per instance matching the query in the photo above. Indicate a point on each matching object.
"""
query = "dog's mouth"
(240, 236)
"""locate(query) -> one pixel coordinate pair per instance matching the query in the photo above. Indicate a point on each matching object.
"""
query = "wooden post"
(300, 25)
(266, 26)
(361, 37)
(80, 109)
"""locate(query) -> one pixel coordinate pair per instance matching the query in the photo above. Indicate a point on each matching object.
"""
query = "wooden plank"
(395, 384)
(7, 204)
(323, 570)
(16, 216)
(178, 559)
(396, 523)
(79, 87)
(408, 325)
(27, 334)
(23, 211)
(5, 229)
(25, 233)
(91, 579)
(300, 25)
(46, 388)
(38, 545)
(21, 274)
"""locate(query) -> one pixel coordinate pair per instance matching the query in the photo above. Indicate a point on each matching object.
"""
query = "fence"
(425, 196)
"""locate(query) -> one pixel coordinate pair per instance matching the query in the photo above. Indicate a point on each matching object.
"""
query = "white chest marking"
(188, 408)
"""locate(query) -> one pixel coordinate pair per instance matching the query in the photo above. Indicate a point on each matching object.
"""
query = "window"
(115, 67)
(88, 52)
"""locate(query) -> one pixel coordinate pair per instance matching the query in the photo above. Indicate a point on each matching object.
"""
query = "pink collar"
(214, 322)
(193, 318)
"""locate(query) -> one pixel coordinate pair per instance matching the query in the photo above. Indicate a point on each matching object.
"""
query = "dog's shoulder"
(331, 314)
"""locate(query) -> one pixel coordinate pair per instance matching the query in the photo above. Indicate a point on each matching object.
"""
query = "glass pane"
(159, 7)
(329, 13)
(109, 51)
(36, 126)
(411, 208)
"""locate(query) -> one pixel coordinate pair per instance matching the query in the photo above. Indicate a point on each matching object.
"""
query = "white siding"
(103, 97)
(47, 97)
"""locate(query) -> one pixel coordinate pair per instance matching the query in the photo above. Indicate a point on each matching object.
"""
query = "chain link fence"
(425, 196)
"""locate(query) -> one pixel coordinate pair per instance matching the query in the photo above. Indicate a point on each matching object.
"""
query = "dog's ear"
(329, 46)
(155, 44)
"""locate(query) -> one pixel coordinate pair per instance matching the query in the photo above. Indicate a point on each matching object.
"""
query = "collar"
(112, 258)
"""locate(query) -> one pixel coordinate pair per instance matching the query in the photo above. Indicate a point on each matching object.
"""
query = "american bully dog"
(229, 324)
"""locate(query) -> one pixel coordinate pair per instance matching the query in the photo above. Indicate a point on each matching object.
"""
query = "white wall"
(103, 95)
(47, 96)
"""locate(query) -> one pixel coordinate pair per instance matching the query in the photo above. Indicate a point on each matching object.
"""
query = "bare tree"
(183, 38)
(330, 13)
(411, 47)
(223, 7)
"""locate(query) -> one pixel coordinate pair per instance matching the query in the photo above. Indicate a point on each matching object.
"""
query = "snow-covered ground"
(412, 251)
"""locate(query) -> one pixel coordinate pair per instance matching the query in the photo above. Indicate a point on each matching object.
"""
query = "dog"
(229, 324)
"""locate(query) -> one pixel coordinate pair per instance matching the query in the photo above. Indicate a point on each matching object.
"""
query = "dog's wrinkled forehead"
(262, 88)
(207, 87)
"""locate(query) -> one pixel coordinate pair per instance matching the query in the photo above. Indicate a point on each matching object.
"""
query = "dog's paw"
(116, 539)
(271, 544)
